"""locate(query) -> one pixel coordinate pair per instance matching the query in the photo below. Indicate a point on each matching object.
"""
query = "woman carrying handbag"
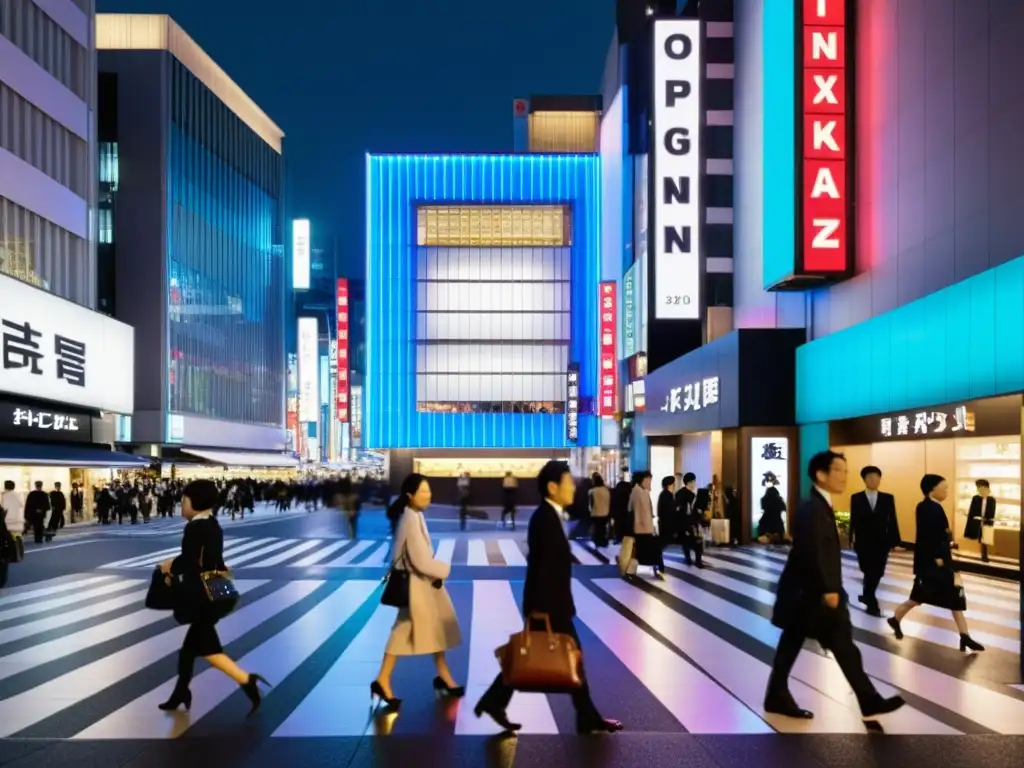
(426, 622)
(935, 581)
(203, 595)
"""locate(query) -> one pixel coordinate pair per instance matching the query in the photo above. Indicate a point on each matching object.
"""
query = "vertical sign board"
(629, 324)
(825, 128)
(300, 255)
(676, 152)
(607, 374)
(341, 312)
(309, 374)
(572, 403)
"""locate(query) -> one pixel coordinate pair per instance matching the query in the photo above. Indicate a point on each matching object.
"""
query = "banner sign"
(607, 375)
(343, 369)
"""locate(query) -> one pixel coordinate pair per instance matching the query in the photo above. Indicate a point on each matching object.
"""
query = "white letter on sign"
(825, 185)
(822, 135)
(825, 84)
(823, 237)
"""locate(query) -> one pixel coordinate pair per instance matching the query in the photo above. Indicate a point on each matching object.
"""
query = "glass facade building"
(225, 301)
(191, 231)
(481, 289)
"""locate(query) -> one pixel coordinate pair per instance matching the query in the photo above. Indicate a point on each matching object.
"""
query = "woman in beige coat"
(648, 546)
(429, 624)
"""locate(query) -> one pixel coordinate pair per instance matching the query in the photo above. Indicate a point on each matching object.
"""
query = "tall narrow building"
(191, 234)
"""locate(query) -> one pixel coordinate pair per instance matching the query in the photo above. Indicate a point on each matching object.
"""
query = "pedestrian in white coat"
(13, 506)
(429, 624)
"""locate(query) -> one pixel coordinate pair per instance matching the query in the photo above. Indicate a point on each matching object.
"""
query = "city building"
(192, 247)
(66, 386)
(482, 313)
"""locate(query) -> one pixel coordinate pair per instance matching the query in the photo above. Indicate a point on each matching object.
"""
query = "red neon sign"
(341, 313)
(607, 374)
(825, 129)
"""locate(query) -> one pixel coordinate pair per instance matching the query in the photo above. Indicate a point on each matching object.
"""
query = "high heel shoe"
(894, 624)
(377, 696)
(178, 699)
(455, 691)
(251, 689)
(967, 643)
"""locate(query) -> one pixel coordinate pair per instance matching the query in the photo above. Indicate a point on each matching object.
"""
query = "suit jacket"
(813, 569)
(548, 587)
(932, 537)
(873, 530)
(975, 516)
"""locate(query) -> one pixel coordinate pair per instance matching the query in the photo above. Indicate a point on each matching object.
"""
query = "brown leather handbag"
(541, 661)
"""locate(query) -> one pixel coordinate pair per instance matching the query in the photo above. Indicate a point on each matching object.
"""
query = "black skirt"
(938, 587)
(648, 550)
(202, 640)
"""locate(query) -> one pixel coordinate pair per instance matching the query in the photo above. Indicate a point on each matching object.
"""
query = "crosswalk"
(270, 551)
(81, 659)
(265, 514)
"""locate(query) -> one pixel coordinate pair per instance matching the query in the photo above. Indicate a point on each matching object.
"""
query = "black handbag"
(940, 587)
(160, 596)
(396, 587)
(217, 585)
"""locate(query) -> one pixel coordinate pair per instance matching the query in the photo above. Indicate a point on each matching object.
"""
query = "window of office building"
(42, 254)
(226, 270)
(45, 42)
(30, 134)
(492, 322)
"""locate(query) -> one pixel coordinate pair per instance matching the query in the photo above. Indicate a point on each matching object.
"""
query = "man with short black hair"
(874, 533)
(548, 589)
(810, 601)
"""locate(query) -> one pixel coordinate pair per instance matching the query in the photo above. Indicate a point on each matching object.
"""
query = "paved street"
(682, 662)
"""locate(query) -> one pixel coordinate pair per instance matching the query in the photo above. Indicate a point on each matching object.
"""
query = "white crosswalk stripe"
(244, 553)
(81, 658)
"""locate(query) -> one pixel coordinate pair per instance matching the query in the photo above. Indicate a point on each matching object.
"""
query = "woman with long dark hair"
(202, 552)
(428, 625)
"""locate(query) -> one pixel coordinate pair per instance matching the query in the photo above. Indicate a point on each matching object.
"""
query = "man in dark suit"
(548, 589)
(874, 533)
(810, 601)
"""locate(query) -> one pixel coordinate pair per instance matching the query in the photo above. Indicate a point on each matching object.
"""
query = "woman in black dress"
(934, 578)
(202, 551)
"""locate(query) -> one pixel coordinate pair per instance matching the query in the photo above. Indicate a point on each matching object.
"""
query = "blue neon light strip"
(779, 182)
(395, 186)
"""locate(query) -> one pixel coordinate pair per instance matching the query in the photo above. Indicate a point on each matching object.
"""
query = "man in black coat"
(874, 533)
(548, 589)
(810, 600)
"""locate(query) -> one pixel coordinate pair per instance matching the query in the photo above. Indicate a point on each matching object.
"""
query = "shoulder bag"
(396, 585)
(217, 585)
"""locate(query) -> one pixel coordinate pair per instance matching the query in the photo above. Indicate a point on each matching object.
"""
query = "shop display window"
(996, 459)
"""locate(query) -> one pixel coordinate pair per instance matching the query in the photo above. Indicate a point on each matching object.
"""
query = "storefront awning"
(244, 458)
(42, 455)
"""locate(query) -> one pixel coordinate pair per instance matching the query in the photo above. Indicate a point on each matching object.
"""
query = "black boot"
(251, 689)
(181, 696)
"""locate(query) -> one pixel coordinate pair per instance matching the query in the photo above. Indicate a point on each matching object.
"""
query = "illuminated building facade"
(192, 239)
(482, 281)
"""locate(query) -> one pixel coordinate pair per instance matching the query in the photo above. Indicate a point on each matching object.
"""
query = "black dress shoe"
(787, 709)
(879, 706)
(601, 725)
(873, 610)
(498, 716)
(455, 691)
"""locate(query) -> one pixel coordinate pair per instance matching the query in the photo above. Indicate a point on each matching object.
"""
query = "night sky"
(342, 78)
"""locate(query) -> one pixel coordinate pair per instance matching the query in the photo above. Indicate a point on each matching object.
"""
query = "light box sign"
(825, 129)
(677, 166)
(21, 421)
(692, 396)
(300, 254)
(769, 467)
(309, 374)
(629, 305)
(572, 403)
(341, 314)
(52, 349)
(607, 373)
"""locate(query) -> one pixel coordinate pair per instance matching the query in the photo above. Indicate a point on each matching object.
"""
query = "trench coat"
(429, 624)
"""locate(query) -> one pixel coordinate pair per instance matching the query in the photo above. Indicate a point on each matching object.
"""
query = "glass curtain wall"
(226, 299)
